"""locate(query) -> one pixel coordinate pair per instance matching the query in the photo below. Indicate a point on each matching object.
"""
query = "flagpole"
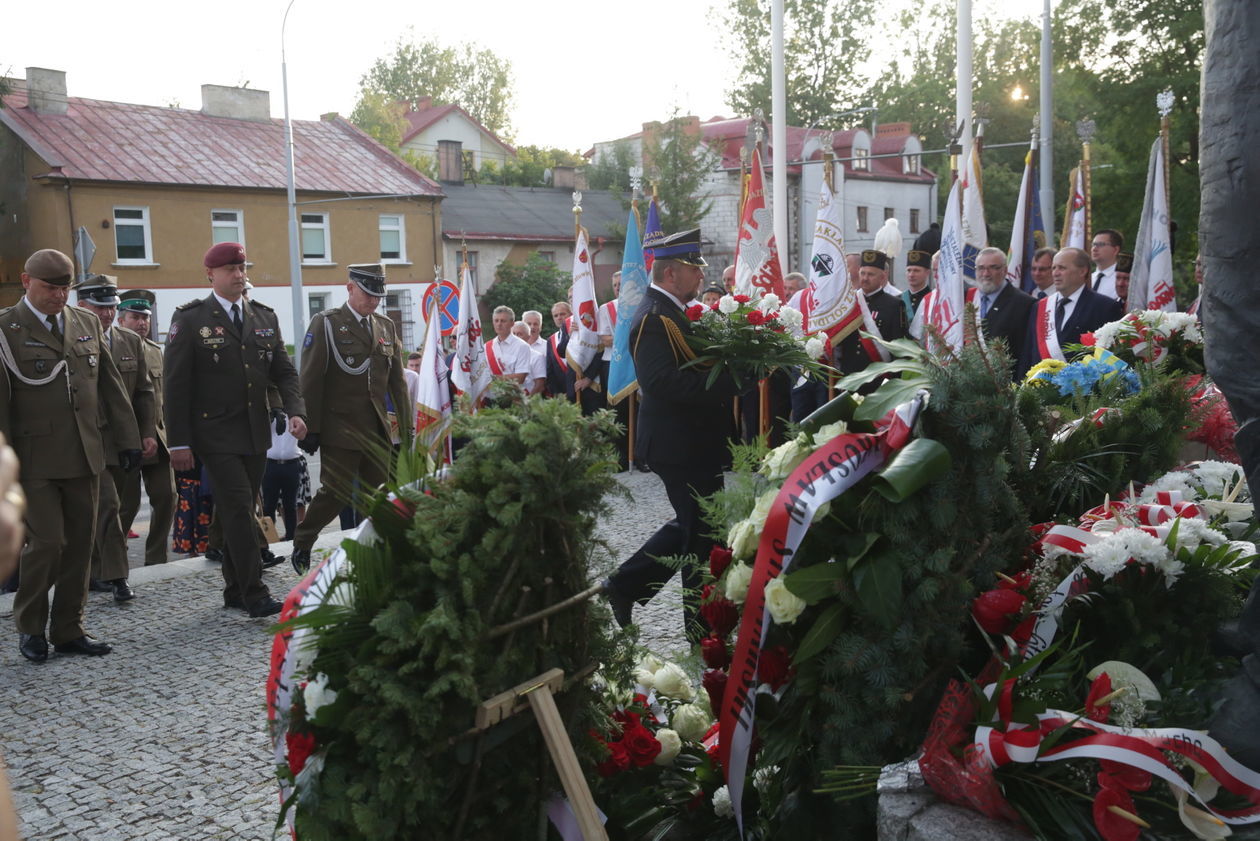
(634, 395)
(1085, 131)
(1164, 102)
(778, 114)
(463, 267)
(577, 236)
(1047, 124)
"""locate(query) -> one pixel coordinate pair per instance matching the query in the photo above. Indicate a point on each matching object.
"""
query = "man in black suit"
(889, 313)
(1003, 310)
(682, 431)
(1059, 320)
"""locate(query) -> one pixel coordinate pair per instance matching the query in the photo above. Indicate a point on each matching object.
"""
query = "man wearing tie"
(1059, 320)
(1003, 309)
(1104, 250)
(1042, 274)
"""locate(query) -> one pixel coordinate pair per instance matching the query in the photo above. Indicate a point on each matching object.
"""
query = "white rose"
(317, 694)
(727, 304)
(761, 510)
(782, 460)
(784, 605)
(646, 669)
(815, 346)
(763, 777)
(831, 430)
(671, 681)
(769, 303)
(722, 803)
(738, 577)
(691, 722)
(743, 539)
(670, 745)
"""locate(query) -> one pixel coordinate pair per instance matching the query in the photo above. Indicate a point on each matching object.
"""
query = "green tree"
(611, 171)
(380, 116)
(823, 42)
(474, 78)
(536, 285)
(529, 169)
(677, 161)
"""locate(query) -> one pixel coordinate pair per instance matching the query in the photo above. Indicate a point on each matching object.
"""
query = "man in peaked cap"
(352, 378)
(222, 353)
(135, 312)
(60, 382)
(918, 275)
(1124, 267)
(855, 353)
(98, 294)
(682, 431)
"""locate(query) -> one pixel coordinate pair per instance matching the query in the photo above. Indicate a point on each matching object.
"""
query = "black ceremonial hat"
(875, 259)
(683, 246)
(370, 277)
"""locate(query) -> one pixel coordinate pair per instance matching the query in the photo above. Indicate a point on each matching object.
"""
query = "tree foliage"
(536, 285)
(529, 169)
(476, 79)
(677, 161)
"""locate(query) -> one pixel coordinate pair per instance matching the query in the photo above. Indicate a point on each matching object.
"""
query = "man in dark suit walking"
(682, 431)
(1002, 309)
(1059, 320)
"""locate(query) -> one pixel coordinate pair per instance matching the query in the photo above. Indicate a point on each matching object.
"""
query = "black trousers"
(641, 576)
(280, 487)
(236, 479)
(808, 398)
(622, 409)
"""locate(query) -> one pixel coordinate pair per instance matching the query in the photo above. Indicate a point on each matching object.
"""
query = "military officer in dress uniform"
(135, 312)
(351, 362)
(59, 384)
(222, 352)
(98, 294)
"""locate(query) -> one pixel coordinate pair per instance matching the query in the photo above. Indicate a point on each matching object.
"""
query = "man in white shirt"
(1059, 320)
(1104, 250)
(538, 363)
(608, 315)
(509, 357)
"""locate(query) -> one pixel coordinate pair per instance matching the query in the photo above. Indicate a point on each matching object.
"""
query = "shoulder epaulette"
(127, 331)
(196, 302)
(330, 311)
(260, 305)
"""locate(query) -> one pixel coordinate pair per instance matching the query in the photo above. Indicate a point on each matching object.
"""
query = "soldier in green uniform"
(135, 313)
(222, 352)
(98, 294)
(59, 384)
(351, 365)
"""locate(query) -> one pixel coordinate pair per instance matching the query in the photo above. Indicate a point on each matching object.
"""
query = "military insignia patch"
(84, 339)
(308, 340)
(170, 334)
(349, 360)
(205, 332)
(39, 366)
(218, 331)
(343, 329)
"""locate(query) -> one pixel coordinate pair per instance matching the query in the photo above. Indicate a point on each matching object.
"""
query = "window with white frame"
(910, 165)
(861, 158)
(914, 220)
(471, 257)
(315, 247)
(393, 238)
(227, 226)
(132, 237)
(316, 302)
(862, 225)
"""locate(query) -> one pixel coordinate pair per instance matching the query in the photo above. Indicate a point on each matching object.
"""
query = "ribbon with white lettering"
(1047, 334)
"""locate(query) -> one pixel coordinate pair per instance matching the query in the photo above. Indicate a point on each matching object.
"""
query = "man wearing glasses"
(1104, 250)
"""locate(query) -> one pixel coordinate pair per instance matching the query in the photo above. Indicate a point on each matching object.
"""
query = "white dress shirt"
(514, 356)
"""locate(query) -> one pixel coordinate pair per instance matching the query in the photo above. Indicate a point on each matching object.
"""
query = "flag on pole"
(433, 398)
(975, 234)
(757, 269)
(1074, 215)
(652, 234)
(469, 369)
(1029, 231)
(1151, 282)
(830, 301)
(622, 381)
(584, 343)
(945, 310)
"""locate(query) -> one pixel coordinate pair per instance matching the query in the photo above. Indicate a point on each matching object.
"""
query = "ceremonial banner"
(757, 268)
(584, 344)
(1029, 231)
(945, 311)
(634, 283)
(433, 399)
(469, 369)
(831, 304)
(975, 235)
(1074, 216)
(827, 473)
(1151, 282)
(652, 234)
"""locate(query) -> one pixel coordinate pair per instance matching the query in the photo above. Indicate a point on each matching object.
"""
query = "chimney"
(46, 90)
(237, 103)
(562, 177)
(893, 130)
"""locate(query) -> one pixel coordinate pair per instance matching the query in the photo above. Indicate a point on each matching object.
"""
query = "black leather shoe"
(270, 560)
(621, 605)
(33, 647)
(301, 559)
(266, 606)
(234, 603)
(215, 555)
(122, 590)
(84, 645)
(96, 585)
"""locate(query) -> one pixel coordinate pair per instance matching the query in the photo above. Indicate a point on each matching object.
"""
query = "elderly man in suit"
(682, 431)
(1002, 309)
(1059, 320)
(60, 383)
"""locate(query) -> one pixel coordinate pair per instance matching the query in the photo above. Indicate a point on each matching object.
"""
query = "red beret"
(224, 254)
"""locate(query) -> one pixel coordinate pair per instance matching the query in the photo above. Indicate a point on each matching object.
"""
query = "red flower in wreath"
(1088, 339)
(719, 612)
(714, 682)
(713, 650)
(694, 312)
(774, 667)
(741, 299)
(618, 760)
(756, 318)
(1111, 826)
(641, 746)
(300, 746)
(1118, 775)
(1099, 689)
(719, 560)
(993, 609)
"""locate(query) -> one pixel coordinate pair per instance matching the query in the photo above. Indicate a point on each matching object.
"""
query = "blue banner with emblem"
(634, 283)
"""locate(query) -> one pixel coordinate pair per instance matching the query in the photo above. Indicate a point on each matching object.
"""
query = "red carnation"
(774, 667)
(719, 560)
(714, 682)
(1100, 688)
(756, 318)
(641, 746)
(1088, 339)
(1111, 826)
(300, 746)
(618, 760)
(993, 609)
(741, 299)
(695, 311)
(713, 650)
(718, 612)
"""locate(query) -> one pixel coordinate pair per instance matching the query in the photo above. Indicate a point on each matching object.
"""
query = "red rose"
(300, 746)
(741, 299)
(774, 667)
(718, 612)
(992, 609)
(1088, 339)
(641, 745)
(714, 682)
(719, 560)
(626, 719)
(756, 318)
(695, 311)
(1100, 688)
(714, 306)
(713, 650)
(1111, 826)
(618, 760)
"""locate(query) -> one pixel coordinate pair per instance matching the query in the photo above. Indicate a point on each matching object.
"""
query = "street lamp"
(295, 255)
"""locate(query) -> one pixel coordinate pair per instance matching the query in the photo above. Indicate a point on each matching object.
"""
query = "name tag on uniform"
(213, 342)
(84, 339)
(33, 343)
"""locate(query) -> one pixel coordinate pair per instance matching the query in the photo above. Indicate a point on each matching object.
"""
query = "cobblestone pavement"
(165, 738)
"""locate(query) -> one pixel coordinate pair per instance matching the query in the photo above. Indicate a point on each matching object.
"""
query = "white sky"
(582, 72)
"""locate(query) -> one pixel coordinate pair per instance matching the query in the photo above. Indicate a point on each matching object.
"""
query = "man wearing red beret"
(222, 354)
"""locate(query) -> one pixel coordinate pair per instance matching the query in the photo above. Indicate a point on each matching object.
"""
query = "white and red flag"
(1151, 283)
(945, 311)
(433, 397)
(1074, 224)
(757, 267)
(830, 302)
(584, 342)
(470, 370)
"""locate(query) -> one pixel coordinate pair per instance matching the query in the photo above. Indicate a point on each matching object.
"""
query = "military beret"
(370, 277)
(224, 254)
(50, 266)
(922, 259)
(876, 259)
(683, 246)
(1124, 262)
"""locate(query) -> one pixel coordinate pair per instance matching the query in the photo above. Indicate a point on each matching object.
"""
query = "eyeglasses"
(1103, 244)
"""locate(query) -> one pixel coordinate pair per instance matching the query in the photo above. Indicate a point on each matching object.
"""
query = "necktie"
(52, 326)
(1059, 311)
(1098, 281)
(363, 321)
(985, 302)
(1040, 294)
(236, 317)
